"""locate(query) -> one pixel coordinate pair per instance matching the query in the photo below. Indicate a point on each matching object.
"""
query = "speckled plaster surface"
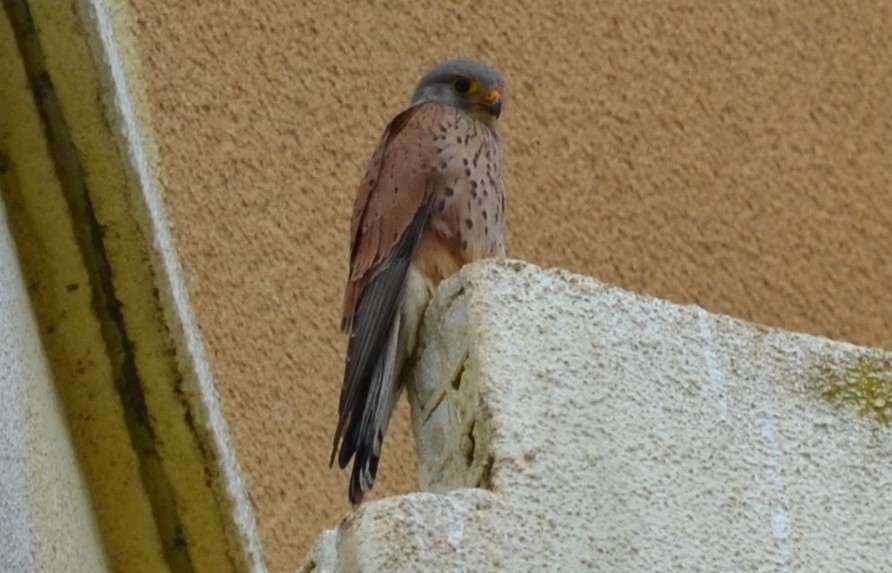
(735, 155)
(48, 523)
(624, 433)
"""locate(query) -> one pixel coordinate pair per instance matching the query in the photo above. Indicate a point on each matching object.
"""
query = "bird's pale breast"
(468, 201)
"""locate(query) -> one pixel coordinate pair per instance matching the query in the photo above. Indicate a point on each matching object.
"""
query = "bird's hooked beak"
(492, 101)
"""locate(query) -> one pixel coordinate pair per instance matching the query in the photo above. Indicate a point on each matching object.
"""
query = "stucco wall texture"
(734, 155)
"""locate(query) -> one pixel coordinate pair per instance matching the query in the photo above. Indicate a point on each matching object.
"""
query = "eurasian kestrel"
(432, 200)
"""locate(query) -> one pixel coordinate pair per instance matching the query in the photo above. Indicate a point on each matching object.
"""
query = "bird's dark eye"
(461, 85)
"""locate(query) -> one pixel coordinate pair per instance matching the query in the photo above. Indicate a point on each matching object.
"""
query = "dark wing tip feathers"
(369, 328)
(365, 461)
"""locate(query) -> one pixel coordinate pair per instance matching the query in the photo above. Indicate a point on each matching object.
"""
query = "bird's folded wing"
(390, 213)
(371, 331)
(397, 183)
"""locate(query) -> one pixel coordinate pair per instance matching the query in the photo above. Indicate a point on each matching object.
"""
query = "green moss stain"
(864, 384)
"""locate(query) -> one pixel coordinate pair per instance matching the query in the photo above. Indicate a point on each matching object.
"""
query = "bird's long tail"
(382, 333)
(365, 437)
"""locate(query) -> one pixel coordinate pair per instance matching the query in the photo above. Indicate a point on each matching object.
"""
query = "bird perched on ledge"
(432, 200)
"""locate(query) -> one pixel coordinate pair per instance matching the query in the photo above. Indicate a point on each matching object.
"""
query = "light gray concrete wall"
(46, 521)
(573, 426)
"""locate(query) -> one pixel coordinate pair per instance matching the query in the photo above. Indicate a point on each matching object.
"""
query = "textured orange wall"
(734, 155)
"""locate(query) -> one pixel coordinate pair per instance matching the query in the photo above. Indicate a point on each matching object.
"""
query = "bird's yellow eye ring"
(464, 86)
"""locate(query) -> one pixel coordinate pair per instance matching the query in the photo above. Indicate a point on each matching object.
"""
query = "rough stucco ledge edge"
(171, 283)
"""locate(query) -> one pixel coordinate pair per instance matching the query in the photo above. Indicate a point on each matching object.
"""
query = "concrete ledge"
(579, 427)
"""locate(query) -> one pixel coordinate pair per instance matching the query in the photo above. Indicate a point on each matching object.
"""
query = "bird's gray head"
(468, 85)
